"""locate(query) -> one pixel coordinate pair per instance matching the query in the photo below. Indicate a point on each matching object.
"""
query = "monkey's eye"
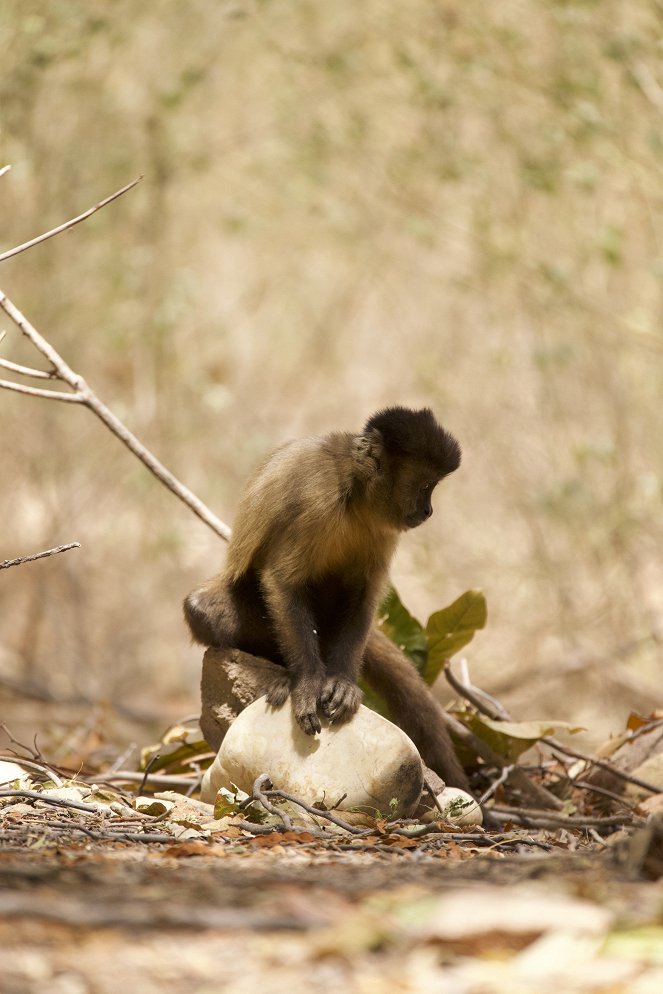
(425, 488)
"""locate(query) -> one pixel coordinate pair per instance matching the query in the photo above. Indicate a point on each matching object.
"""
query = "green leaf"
(512, 738)
(403, 629)
(452, 628)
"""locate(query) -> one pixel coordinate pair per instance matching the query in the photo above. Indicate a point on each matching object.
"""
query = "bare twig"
(433, 796)
(83, 394)
(148, 766)
(39, 555)
(260, 788)
(504, 775)
(537, 794)
(68, 398)
(14, 367)
(58, 802)
(481, 701)
(550, 819)
(497, 712)
(128, 776)
(67, 224)
(30, 765)
(603, 764)
(619, 798)
(34, 753)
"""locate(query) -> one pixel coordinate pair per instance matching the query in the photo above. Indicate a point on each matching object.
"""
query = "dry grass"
(344, 206)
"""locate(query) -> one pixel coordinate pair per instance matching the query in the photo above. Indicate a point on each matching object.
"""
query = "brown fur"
(308, 561)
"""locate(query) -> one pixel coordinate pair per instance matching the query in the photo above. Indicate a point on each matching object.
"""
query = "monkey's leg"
(232, 616)
(412, 706)
(235, 617)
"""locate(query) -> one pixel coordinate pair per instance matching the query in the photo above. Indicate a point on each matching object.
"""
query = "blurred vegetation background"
(344, 206)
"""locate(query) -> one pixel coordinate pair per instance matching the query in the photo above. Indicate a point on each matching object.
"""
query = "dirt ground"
(210, 917)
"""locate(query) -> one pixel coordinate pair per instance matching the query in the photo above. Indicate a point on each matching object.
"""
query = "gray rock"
(230, 681)
(368, 759)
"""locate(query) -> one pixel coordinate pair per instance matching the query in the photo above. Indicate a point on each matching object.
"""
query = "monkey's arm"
(294, 625)
(344, 652)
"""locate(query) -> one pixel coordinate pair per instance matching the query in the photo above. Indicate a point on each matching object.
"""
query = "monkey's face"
(413, 488)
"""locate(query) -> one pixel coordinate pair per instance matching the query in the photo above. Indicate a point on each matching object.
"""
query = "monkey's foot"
(340, 698)
(279, 691)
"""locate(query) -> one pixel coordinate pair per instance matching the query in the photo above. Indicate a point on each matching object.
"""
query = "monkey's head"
(413, 453)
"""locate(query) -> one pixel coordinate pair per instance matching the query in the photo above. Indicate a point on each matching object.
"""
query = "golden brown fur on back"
(308, 487)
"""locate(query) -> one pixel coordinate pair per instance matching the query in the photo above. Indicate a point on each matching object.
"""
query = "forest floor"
(111, 882)
(226, 911)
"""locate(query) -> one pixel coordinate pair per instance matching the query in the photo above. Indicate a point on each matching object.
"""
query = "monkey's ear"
(367, 455)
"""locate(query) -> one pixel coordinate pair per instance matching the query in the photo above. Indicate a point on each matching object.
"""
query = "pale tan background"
(345, 205)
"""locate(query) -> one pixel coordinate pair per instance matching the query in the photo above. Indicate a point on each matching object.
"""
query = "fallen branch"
(58, 802)
(38, 555)
(28, 764)
(517, 777)
(497, 712)
(534, 818)
(260, 789)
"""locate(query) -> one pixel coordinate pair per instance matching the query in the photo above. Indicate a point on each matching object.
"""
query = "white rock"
(10, 772)
(368, 759)
(459, 807)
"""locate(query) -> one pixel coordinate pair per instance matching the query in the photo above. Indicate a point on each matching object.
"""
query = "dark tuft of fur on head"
(418, 435)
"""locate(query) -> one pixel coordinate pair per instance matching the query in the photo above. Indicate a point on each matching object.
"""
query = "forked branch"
(81, 393)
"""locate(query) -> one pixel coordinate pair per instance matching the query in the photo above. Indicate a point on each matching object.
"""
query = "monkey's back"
(294, 506)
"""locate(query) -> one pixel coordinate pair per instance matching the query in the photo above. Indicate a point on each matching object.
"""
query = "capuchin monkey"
(308, 563)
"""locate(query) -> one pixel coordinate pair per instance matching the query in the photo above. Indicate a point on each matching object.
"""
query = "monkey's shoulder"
(314, 470)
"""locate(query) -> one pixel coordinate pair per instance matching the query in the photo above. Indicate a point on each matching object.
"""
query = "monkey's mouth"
(414, 520)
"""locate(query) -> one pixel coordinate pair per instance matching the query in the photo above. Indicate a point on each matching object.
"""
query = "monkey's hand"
(305, 696)
(278, 690)
(340, 698)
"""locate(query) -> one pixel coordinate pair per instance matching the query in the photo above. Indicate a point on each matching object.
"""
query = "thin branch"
(85, 395)
(482, 702)
(497, 712)
(68, 224)
(4, 169)
(550, 819)
(39, 555)
(504, 775)
(37, 767)
(58, 802)
(262, 784)
(38, 374)
(68, 398)
(517, 777)
(603, 764)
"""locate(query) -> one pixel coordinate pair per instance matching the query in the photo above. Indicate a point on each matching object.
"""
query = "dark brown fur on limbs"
(308, 561)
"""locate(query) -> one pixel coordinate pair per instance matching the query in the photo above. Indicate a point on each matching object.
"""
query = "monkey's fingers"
(340, 699)
(309, 722)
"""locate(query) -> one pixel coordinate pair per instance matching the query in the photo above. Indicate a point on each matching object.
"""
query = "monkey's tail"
(412, 706)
